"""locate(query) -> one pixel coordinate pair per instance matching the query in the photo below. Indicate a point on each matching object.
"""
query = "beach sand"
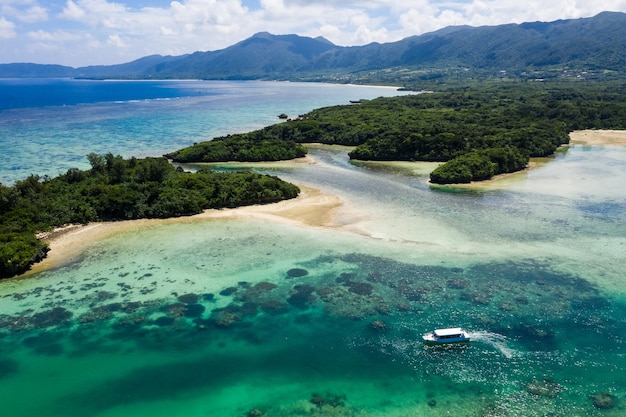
(585, 137)
(599, 137)
(312, 208)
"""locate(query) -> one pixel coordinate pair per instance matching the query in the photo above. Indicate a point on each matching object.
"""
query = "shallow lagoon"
(235, 317)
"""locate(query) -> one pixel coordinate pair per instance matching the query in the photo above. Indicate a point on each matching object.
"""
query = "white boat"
(443, 336)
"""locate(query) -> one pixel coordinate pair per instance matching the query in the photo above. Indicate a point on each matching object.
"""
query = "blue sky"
(94, 32)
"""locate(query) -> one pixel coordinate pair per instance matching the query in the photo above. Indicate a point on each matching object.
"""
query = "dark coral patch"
(603, 400)
(361, 288)
(44, 344)
(264, 286)
(274, 307)
(301, 296)
(52, 317)
(194, 310)
(189, 298)
(164, 321)
(297, 273)
(8, 367)
(228, 291)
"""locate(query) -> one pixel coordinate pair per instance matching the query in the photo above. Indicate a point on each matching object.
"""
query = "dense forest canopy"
(118, 189)
(479, 132)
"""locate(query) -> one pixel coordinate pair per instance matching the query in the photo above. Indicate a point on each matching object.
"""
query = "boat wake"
(496, 340)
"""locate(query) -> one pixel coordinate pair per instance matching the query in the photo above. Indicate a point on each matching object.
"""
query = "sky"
(104, 32)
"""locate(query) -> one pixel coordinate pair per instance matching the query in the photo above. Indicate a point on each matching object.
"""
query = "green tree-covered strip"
(527, 119)
(118, 189)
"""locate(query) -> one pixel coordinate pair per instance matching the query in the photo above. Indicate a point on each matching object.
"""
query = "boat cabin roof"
(448, 332)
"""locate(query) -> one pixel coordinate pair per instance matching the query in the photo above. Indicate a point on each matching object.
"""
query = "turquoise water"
(246, 317)
(48, 126)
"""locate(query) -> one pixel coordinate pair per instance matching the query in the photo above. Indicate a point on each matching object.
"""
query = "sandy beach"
(312, 208)
(585, 137)
(599, 137)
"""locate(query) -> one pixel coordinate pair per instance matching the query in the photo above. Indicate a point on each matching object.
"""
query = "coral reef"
(378, 325)
(189, 298)
(297, 273)
(603, 400)
(544, 388)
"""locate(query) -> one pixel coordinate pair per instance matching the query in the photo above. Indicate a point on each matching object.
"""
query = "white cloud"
(72, 11)
(123, 30)
(117, 41)
(7, 29)
(166, 31)
(57, 36)
(22, 12)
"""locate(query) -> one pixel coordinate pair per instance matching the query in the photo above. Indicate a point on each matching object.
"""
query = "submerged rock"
(274, 307)
(361, 288)
(226, 317)
(302, 296)
(52, 317)
(331, 400)
(8, 367)
(189, 298)
(264, 286)
(457, 283)
(228, 291)
(194, 310)
(297, 273)
(603, 400)
(164, 321)
(175, 310)
(544, 388)
(378, 325)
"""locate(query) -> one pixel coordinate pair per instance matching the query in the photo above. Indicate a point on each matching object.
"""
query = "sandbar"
(586, 137)
(599, 137)
(312, 208)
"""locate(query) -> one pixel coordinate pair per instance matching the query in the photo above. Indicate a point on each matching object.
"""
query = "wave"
(496, 340)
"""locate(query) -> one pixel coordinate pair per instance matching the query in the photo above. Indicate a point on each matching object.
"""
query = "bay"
(250, 316)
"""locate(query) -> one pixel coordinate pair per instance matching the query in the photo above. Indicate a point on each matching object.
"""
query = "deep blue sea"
(49, 125)
(251, 316)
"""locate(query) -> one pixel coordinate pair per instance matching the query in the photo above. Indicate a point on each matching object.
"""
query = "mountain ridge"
(593, 43)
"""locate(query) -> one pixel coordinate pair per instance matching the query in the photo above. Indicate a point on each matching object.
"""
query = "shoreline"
(312, 208)
(587, 137)
(599, 137)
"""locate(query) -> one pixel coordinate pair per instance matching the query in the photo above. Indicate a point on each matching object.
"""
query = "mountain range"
(595, 43)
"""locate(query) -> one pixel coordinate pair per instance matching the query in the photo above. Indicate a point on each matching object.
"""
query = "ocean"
(60, 121)
(251, 317)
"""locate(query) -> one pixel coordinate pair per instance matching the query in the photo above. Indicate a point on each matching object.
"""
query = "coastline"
(312, 208)
(599, 137)
(587, 137)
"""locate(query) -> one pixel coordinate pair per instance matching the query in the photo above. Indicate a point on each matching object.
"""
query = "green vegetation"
(479, 132)
(118, 189)
(248, 147)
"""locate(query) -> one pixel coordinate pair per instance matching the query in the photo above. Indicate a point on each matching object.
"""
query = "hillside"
(596, 43)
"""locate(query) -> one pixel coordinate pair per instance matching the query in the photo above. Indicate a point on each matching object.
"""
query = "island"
(118, 189)
(476, 132)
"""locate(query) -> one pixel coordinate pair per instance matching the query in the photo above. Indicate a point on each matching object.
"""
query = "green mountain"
(592, 43)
